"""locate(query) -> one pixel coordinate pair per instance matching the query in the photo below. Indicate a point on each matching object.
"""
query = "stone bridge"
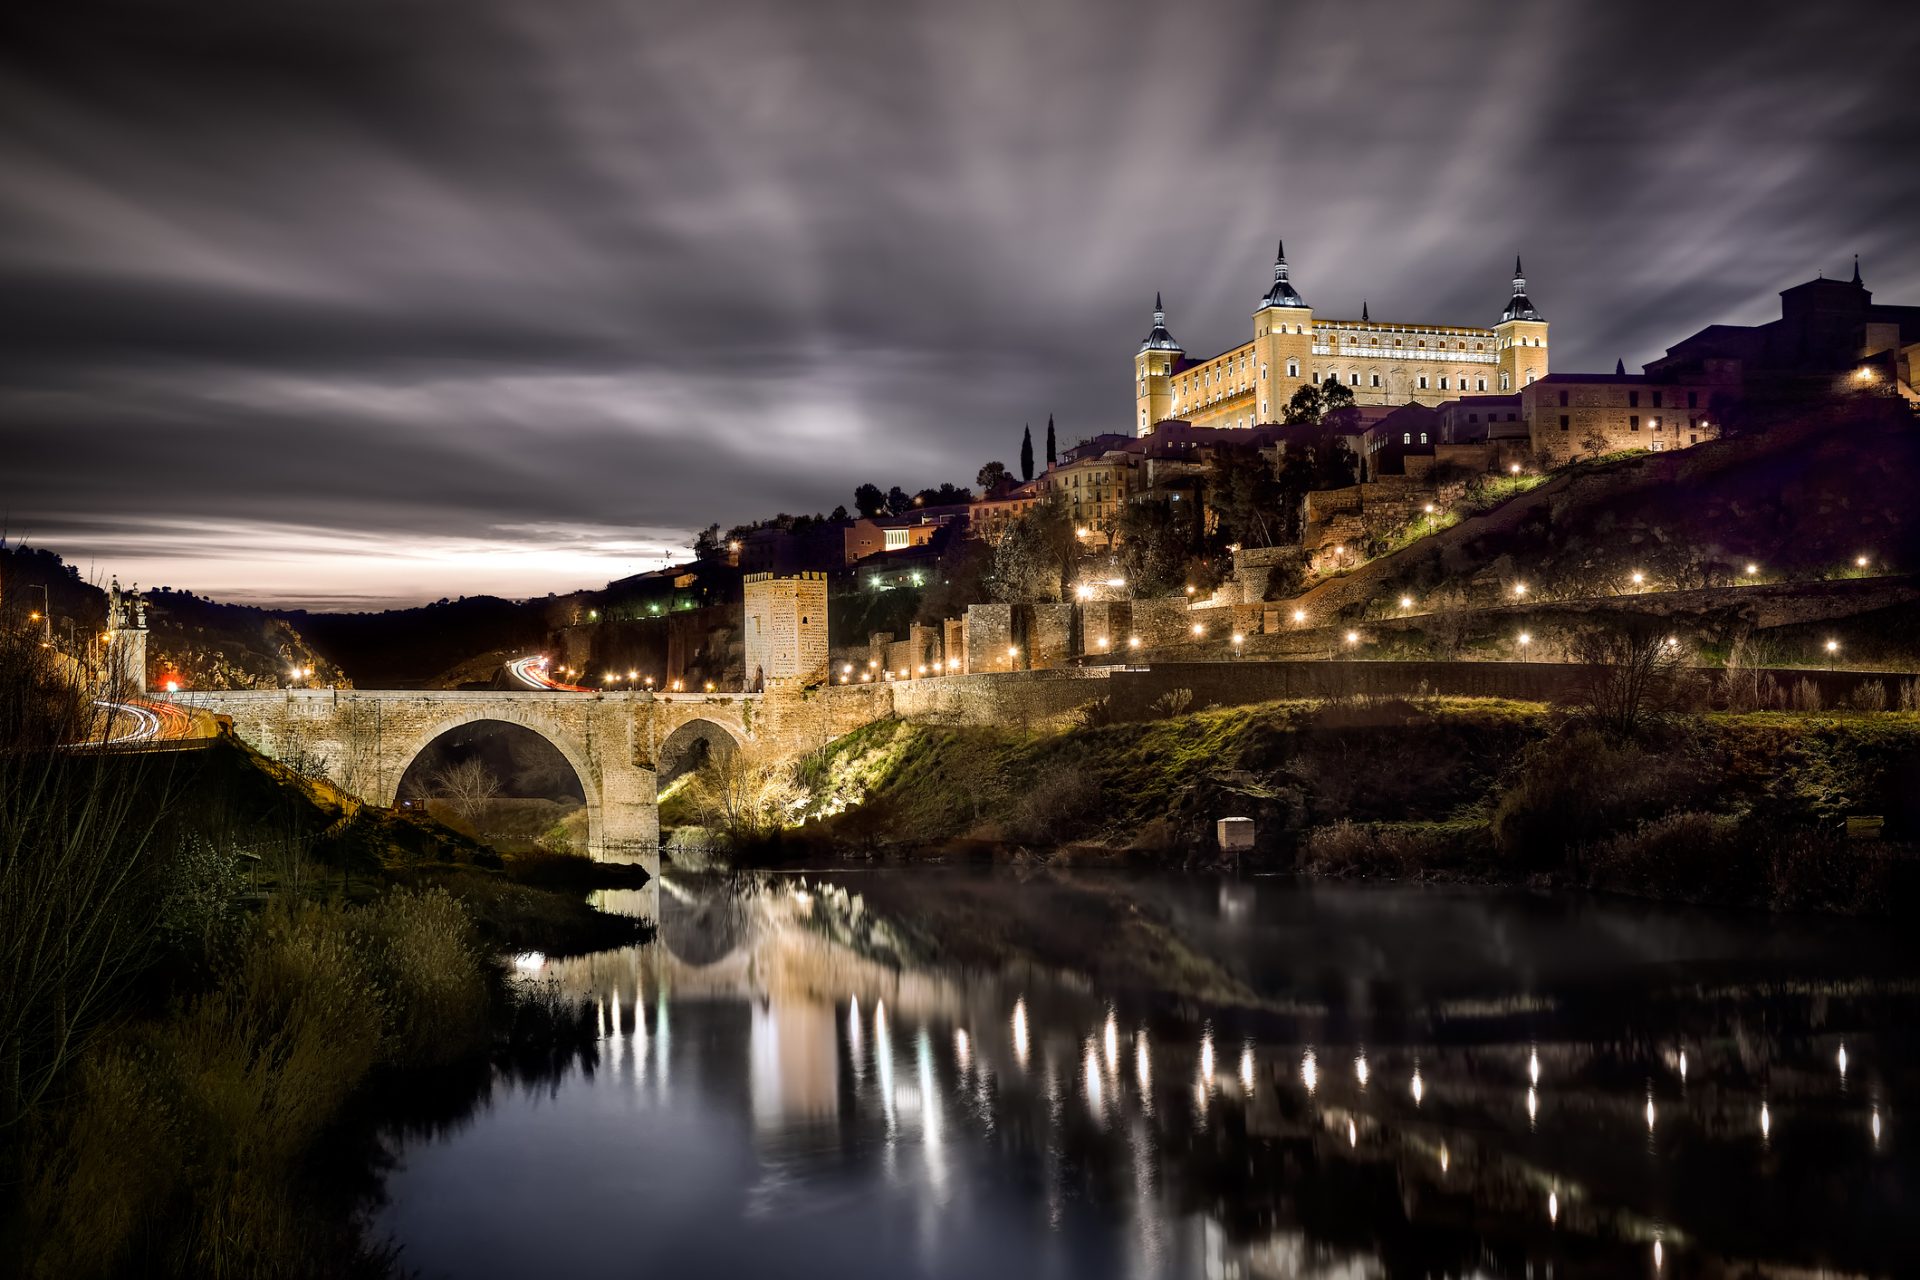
(621, 745)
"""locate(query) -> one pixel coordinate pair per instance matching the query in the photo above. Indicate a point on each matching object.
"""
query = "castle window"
(1423, 382)
(1633, 399)
(1479, 384)
(1423, 437)
(1693, 439)
(1693, 399)
(1531, 375)
(1406, 437)
(1633, 422)
(1443, 383)
(1376, 342)
(1473, 417)
(1564, 424)
(1293, 369)
(1263, 373)
(1563, 399)
(1353, 379)
(1656, 399)
(1504, 382)
(1374, 380)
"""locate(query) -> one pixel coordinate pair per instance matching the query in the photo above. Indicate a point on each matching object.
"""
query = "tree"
(991, 477)
(839, 515)
(466, 788)
(947, 495)
(708, 544)
(1244, 497)
(1026, 453)
(1035, 558)
(898, 503)
(1158, 536)
(1635, 673)
(869, 501)
(1052, 454)
(1305, 406)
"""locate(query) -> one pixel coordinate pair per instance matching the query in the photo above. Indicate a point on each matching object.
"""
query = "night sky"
(328, 302)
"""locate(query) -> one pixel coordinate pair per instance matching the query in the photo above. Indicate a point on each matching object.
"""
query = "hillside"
(1799, 503)
(200, 642)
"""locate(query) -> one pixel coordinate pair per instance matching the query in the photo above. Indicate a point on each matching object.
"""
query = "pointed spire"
(1283, 294)
(1856, 268)
(1159, 339)
(1520, 306)
(1620, 367)
(1364, 317)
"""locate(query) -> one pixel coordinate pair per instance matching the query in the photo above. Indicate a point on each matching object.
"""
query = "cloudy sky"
(396, 299)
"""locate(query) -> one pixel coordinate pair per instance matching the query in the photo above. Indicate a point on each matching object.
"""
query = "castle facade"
(1382, 362)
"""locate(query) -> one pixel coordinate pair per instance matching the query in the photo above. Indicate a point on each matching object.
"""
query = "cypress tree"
(1051, 456)
(1026, 453)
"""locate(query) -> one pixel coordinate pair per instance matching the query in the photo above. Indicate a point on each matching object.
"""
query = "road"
(532, 673)
(141, 723)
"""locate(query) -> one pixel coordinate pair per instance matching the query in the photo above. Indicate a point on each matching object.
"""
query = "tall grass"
(183, 1151)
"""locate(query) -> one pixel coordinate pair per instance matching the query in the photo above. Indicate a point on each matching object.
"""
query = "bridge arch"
(693, 742)
(571, 750)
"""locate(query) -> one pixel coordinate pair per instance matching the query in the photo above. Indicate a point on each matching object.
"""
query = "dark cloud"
(431, 281)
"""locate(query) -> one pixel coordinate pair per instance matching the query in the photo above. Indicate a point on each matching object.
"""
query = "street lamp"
(1133, 642)
(1353, 637)
(1860, 562)
(1199, 629)
(1833, 646)
(1519, 589)
(1406, 602)
(1752, 569)
(1637, 577)
(1299, 615)
(1523, 640)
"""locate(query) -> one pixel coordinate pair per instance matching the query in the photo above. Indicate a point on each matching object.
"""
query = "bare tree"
(746, 793)
(1634, 673)
(466, 788)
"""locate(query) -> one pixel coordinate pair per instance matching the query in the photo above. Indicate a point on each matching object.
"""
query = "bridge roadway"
(620, 744)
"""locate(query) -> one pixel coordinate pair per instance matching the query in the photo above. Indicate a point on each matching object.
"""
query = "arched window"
(1406, 438)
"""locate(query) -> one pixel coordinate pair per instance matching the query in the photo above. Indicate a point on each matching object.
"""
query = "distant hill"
(412, 648)
(200, 642)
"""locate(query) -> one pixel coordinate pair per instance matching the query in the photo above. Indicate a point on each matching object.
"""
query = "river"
(954, 1073)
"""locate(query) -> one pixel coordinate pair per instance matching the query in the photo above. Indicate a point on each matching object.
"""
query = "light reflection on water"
(788, 1086)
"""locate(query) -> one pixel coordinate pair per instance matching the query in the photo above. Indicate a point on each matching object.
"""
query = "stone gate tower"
(126, 639)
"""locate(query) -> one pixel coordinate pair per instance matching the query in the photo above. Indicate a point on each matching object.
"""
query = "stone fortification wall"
(989, 635)
(1026, 699)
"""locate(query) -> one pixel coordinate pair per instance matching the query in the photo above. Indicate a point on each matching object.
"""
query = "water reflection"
(824, 1079)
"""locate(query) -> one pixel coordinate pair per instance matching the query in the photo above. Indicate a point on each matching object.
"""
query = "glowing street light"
(1299, 615)
(1524, 639)
(1353, 637)
(1833, 646)
(1514, 469)
(1133, 642)
(1519, 589)
(1638, 578)
(1199, 629)
(1100, 643)
(1861, 562)
(1752, 569)
(1406, 602)
(1238, 639)
(1084, 591)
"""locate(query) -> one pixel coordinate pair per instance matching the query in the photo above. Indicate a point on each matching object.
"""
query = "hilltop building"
(1382, 362)
(1831, 339)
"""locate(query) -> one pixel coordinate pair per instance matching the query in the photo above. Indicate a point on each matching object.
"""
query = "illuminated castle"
(1383, 362)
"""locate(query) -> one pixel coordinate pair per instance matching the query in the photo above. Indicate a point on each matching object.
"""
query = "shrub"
(1695, 856)
(1581, 786)
(1392, 850)
(434, 991)
(1805, 696)
(1056, 807)
(1868, 695)
(1097, 714)
(1174, 702)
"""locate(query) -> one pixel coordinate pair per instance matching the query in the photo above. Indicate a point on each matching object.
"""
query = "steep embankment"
(1800, 502)
(1747, 809)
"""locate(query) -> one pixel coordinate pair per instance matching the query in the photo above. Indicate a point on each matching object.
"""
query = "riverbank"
(256, 966)
(1784, 811)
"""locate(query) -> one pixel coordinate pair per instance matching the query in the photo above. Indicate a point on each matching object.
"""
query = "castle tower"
(1522, 335)
(786, 628)
(1282, 343)
(126, 639)
(1153, 373)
